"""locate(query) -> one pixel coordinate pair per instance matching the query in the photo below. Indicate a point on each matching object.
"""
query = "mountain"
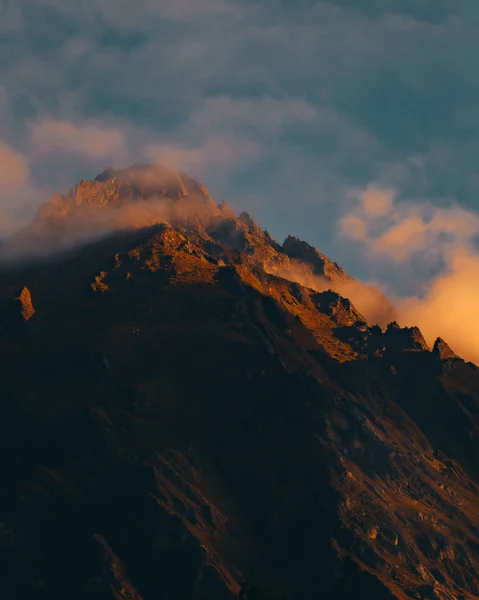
(182, 418)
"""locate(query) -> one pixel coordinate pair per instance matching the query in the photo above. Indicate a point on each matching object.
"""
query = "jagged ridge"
(191, 420)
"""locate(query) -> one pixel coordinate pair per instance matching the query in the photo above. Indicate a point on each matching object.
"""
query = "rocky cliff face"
(178, 420)
(321, 265)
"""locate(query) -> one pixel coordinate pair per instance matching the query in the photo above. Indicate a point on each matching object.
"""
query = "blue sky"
(288, 110)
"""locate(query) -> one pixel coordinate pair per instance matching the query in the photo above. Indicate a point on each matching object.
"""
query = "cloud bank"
(450, 308)
(400, 233)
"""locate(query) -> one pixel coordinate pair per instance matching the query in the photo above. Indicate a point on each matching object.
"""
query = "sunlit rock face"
(190, 409)
(322, 265)
(443, 350)
(122, 187)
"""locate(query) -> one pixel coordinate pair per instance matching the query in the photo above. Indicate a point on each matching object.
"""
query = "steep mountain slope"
(178, 420)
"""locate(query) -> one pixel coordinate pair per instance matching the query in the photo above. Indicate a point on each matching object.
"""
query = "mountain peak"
(443, 350)
(108, 173)
(248, 220)
(140, 183)
(138, 173)
(117, 358)
(404, 338)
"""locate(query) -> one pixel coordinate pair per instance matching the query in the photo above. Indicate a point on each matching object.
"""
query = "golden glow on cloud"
(408, 231)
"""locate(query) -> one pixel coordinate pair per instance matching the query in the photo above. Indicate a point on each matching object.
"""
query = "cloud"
(14, 171)
(354, 226)
(225, 135)
(377, 201)
(416, 232)
(191, 9)
(287, 80)
(277, 105)
(367, 298)
(224, 152)
(450, 308)
(89, 138)
(84, 214)
(438, 242)
(265, 114)
(222, 136)
(16, 187)
(403, 239)
(145, 13)
(400, 230)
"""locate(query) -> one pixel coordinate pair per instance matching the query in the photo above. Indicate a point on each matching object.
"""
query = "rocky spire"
(321, 264)
(443, 350)
(226, 210)
(404, 338)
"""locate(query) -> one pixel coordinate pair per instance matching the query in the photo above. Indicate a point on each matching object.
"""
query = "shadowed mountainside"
(178, 419)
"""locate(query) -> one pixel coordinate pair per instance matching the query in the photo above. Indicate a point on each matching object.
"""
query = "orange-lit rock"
(183, 418)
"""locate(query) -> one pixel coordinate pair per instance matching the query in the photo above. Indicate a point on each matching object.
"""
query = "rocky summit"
(190, 410)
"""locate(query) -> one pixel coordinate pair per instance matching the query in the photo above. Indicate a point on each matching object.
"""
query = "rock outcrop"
(321, 265)
(398, 338)
(443, 350)
(26, 307)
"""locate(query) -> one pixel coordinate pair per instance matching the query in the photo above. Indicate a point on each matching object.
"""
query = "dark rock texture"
(177, 421)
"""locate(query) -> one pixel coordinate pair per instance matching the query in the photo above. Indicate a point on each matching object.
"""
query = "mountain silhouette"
(190, 409)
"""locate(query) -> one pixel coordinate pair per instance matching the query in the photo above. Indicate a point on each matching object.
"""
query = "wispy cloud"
(227, 134)
(266, 114)
(140, 14)
(19, 193)
(450, 307)
(90, 138)
(14, 171)
(377, 201)
(223, 152)
(437, 242)
(399, 230)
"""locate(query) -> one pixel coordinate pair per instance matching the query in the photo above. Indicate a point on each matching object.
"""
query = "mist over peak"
(119, 187)
(115, 200)
(144, 195)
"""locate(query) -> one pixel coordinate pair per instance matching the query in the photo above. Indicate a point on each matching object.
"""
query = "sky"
(352, 125)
